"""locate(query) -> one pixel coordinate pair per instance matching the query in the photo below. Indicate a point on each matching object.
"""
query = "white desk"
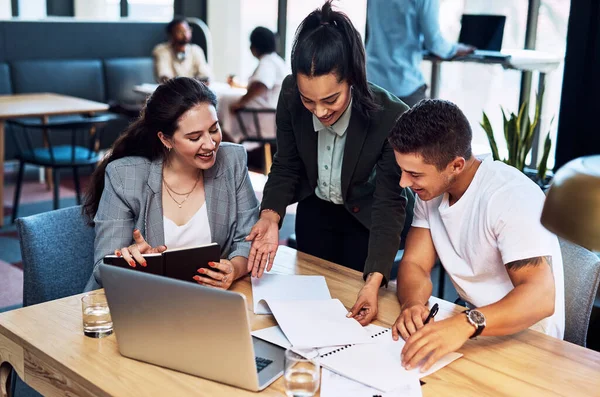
(522, 60)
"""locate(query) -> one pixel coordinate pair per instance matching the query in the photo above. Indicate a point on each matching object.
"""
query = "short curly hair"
(436, 129)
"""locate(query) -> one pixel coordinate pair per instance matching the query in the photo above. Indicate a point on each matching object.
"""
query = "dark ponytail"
(160, 114)
(326, 42)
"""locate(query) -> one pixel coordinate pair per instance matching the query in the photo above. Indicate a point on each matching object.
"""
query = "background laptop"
(484, 32)
(189, 328)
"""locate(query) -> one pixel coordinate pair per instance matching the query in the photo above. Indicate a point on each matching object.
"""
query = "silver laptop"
(189, 328)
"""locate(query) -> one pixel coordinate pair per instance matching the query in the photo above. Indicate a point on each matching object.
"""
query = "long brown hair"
(160, 114)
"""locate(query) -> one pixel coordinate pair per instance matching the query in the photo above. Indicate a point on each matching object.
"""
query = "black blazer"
(370, 174)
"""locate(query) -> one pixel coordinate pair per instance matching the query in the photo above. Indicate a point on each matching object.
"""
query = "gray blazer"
(132, 198)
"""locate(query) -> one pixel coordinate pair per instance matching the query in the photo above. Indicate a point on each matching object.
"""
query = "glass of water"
(96, 316)
(302, 372)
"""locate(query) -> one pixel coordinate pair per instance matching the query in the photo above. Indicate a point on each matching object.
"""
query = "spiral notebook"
(376, 364)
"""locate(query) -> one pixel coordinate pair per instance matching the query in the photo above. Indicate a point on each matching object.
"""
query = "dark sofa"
(100, 61)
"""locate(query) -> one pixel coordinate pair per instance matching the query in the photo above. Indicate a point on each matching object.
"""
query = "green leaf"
(513, 140)
(543, 165)
(505, 125)
(487, 127)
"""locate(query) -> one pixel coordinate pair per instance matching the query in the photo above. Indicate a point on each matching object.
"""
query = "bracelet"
(273, 211)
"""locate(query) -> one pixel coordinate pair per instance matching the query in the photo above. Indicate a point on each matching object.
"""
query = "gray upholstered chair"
(582, 276)
(57, 248)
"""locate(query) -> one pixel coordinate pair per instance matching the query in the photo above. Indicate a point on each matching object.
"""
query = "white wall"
(5, 9)
(225, 22)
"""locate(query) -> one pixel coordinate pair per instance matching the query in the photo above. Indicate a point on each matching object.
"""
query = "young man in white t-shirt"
(482, 219)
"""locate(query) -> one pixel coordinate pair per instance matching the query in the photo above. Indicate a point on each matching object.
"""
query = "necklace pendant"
(179, 205)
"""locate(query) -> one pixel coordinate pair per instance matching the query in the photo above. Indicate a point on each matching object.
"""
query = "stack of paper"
(334, 385)
(277, 287)
(301, 302)
(376, 365)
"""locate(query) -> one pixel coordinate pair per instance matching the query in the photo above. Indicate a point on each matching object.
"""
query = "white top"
(495, 222)
(271, 71)
(195, 232)
(167, 64)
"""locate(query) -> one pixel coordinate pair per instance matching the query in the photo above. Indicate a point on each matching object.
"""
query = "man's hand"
(410, 320)
(463, 50)
(365, 309)
(435, 340)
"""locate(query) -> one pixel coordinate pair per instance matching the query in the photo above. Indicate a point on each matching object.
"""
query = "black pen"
(432, 313)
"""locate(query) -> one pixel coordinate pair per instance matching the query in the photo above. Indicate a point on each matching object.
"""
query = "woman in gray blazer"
(169, 181)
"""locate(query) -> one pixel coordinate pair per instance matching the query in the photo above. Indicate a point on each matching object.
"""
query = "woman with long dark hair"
(334, 159)
(168, 181)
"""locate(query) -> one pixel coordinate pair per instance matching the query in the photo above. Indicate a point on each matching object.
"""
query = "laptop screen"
(482, 31)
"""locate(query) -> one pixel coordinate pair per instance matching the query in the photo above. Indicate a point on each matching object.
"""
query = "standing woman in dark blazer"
(333, 158)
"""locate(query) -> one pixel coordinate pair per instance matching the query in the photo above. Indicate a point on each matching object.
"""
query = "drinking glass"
(96, 316)
(302, 373)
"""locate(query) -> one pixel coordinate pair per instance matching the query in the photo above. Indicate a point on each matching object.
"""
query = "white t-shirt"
(495, 222)
(195, 232)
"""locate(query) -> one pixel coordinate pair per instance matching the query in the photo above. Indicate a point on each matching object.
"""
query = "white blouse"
(195, 232)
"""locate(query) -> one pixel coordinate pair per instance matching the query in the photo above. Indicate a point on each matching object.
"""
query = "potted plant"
(518, 133)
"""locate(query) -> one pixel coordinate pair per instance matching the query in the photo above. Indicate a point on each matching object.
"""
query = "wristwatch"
(477, 319)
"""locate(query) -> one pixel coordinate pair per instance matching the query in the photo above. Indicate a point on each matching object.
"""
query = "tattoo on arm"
(536, 261)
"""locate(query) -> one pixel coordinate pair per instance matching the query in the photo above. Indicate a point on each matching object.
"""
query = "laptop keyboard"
(262, 363)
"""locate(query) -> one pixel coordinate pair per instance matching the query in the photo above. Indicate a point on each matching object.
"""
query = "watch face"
(477, 317)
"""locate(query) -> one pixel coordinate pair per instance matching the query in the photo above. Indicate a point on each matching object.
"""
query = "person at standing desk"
(482, 219)
(333, 158)
(179, 57)
(397, 30)
(169, 181)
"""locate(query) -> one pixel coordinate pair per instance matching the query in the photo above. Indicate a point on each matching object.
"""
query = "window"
(5, 9)
(33, 9)
(161, 10)
(297, 10)
(98, 9)
(254, 13)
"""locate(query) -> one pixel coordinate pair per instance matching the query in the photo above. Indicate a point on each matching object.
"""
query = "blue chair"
(57, 248)
(84, 137)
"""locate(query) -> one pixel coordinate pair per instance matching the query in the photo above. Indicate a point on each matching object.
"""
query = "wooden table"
(46, 346)
(39, 105)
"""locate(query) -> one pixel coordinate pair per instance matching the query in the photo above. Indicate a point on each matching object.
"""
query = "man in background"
(397, 31)
(179, 57)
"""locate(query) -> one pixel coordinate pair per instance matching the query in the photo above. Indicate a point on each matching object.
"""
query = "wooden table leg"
(1, 173)
(5, 370)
